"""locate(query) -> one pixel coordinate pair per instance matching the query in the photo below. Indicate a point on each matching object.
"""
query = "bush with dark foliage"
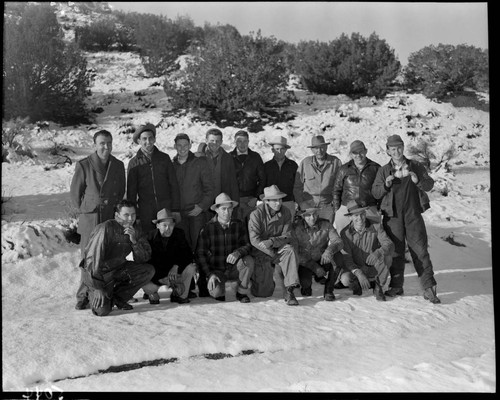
(44, 78)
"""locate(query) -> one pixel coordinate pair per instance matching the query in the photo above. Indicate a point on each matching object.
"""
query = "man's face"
(358, 220)
(242, 144)
(279, 151)
(103, 146)
(126, 216)
(320, 152)
(214, 142)
(224, 212)
(166, 227)
(275, 204)
(311, 219)
(396, 152)
(147, 141)
(182, 146)
(359, 157)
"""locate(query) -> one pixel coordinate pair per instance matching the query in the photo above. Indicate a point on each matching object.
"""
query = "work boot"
(306, 291)
(178, 299)
(394, 291)
(355, 286)
(145, 296)
(82, 304)
(243, 298)
(379, 292)
(122, 305)
(221, 298)
(192, 295)
(431, 295)
(154, 298)
(290, 297)
(339, 285)
(329, 296)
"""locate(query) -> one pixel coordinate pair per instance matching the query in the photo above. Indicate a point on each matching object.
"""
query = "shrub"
(100, 35)
(230, 73)
(43, 77)
(351, 66)
(437, 71)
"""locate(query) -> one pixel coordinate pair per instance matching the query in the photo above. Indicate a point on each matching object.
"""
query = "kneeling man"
(223, 251)
(367, 253)
(172, 258)
(114, 261)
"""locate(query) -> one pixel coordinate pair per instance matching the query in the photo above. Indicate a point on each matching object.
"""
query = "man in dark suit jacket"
(97, 185)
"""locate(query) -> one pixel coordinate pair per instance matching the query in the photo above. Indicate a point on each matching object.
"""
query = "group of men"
(210, 217)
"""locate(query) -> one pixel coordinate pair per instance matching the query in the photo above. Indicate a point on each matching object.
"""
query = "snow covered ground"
(354, 344)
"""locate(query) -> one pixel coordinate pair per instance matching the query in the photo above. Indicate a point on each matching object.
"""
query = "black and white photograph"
(246, 197)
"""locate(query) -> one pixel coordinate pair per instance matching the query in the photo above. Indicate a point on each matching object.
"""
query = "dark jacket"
(215, 244)
(196, 183)
(153, 185)
(228, 182)
(380, 191)
(284, 178)
(249, 173)
(95, 194)
(107, 250)
(353, 184)
(167, 252)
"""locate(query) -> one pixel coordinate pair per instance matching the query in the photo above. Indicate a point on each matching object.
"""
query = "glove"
(320, 271)
(212, 282)
(374, 257)
(363, 280)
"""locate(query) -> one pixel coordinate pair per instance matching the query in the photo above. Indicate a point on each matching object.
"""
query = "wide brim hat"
(318, 141)
(163, 215)
(309, 211)
(223, 198)
(353, 207)
(394, 140)
(272, 193)
(279, 140)
(143, 128)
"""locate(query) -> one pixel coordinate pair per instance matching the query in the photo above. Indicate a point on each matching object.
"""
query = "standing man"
(249, 174)
(221, 163)
(172, 258)
(318, 245)
(367, 253)
(196, 185)
(223, 251)
(151, 180)
(315, 179)
(98, 184)
(280, 171)
(354, 182)
(401, 185)
(114, 265)
(270, 230)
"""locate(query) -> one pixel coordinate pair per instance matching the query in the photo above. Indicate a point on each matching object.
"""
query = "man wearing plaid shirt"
(223, 251)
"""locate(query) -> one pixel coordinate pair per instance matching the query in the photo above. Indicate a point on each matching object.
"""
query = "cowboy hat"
(143, 128)
(317, 141)
(272, 192)
(163, 215)
(279, 140)
(309, 211)
(223, 198)
(353, 207)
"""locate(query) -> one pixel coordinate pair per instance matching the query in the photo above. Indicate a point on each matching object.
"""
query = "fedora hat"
(223, 198)
(309, 211)
(317, 141)
(279, 140)
(272, 192)
(143, 128)
(353, 207)
(163, 215)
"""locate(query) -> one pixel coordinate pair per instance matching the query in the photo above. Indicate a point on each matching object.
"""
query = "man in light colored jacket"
(315, 179)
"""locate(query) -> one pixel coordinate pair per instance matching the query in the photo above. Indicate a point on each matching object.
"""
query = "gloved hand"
(363, 280)
(374, 257)
(320, 271)
(212, 282)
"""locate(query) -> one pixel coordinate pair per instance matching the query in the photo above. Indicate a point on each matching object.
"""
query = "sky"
(406, 27)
